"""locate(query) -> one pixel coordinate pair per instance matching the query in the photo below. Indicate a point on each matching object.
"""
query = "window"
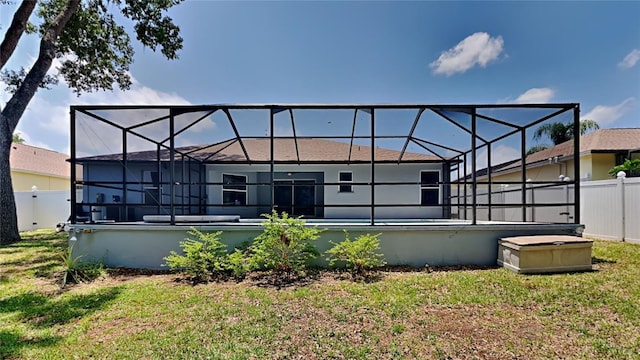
(151, 187)
(234, 189)
(429, 188)
(346, 178)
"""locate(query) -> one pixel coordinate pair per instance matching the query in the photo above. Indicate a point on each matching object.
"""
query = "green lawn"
(444, 313)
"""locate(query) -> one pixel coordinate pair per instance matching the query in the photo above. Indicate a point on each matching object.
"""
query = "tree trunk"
(8, 217)
(12, 113)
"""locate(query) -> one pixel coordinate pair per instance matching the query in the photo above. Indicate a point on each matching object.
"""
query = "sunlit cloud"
(476, 49)
(605, 115)
(535, 96)
(630, 60)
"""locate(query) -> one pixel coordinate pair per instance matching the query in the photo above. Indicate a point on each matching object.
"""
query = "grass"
(440, 314)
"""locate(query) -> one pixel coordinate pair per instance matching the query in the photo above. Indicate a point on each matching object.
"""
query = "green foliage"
(76, 271)
(239, 263)
(204, 256)
(16, 138)
(286, 244)
(358, 255)
(103, 56)
(630, 166)
(559, 132)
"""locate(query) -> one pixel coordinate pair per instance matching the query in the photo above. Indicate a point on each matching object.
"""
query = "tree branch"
(15, 31)
(16, 106)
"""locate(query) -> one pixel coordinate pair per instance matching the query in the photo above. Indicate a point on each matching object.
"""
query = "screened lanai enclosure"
(425, 176)
(319, 161)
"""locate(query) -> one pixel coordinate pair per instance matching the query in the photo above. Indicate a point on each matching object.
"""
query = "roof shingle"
(258, 150)
(602, 140)
(33, 159)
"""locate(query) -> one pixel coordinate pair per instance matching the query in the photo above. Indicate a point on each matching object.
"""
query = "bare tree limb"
(15, 31)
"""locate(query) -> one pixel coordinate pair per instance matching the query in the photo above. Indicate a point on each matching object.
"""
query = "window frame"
(345, 184)
(245, 190)
(427, 186)
(151, 194)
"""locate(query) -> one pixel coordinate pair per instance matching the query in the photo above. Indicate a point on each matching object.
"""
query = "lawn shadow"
(367, 276)
(13, 343)
(42, 265)
(436, 268)
(40, 311)
(43, 241)
(279, 280)
(597, 260)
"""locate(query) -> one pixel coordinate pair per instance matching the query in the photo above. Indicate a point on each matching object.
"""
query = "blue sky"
(377, 52)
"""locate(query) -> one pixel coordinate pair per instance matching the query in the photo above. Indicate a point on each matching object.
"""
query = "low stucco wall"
(145, 246)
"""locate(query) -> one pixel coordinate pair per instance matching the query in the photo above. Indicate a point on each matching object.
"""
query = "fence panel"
(610, 208)
(42, 209)
(632, 210)
(24, 207)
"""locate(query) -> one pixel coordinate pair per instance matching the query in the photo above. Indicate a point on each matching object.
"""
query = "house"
(34, 166)
(600, 151)
(313, 177)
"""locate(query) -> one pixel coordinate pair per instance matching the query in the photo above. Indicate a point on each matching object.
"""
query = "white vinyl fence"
(42, 209)
(611, 209)
(542, 195)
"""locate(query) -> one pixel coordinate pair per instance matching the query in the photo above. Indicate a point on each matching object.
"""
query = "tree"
(95, 53)
(16, 138)
(559, 132)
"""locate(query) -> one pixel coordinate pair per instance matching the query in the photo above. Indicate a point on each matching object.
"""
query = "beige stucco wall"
(600, 166)
(596, 165)
(23, 181)
(549, 172)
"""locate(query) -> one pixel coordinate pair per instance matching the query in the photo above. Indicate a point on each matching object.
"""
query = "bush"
(630, 166)
(239, 263)
(358, 255)
(285, 244)
(76, 271)
(204, 256)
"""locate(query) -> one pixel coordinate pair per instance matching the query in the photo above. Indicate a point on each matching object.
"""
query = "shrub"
(239, 263)
(204, 256)
(76, 271)
(286, 244)
(358, 255)
(630, 166)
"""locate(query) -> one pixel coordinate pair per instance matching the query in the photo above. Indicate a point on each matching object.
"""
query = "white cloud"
(476, 49)
(46, 120)
(605, 115)
(500, 154)
(630, 60)
(535, 96)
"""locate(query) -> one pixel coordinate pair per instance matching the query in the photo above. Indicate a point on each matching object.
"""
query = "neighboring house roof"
(599, 141)
(31, 159)
(309, 150)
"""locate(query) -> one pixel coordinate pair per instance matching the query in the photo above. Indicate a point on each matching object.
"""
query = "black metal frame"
(454, 162)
